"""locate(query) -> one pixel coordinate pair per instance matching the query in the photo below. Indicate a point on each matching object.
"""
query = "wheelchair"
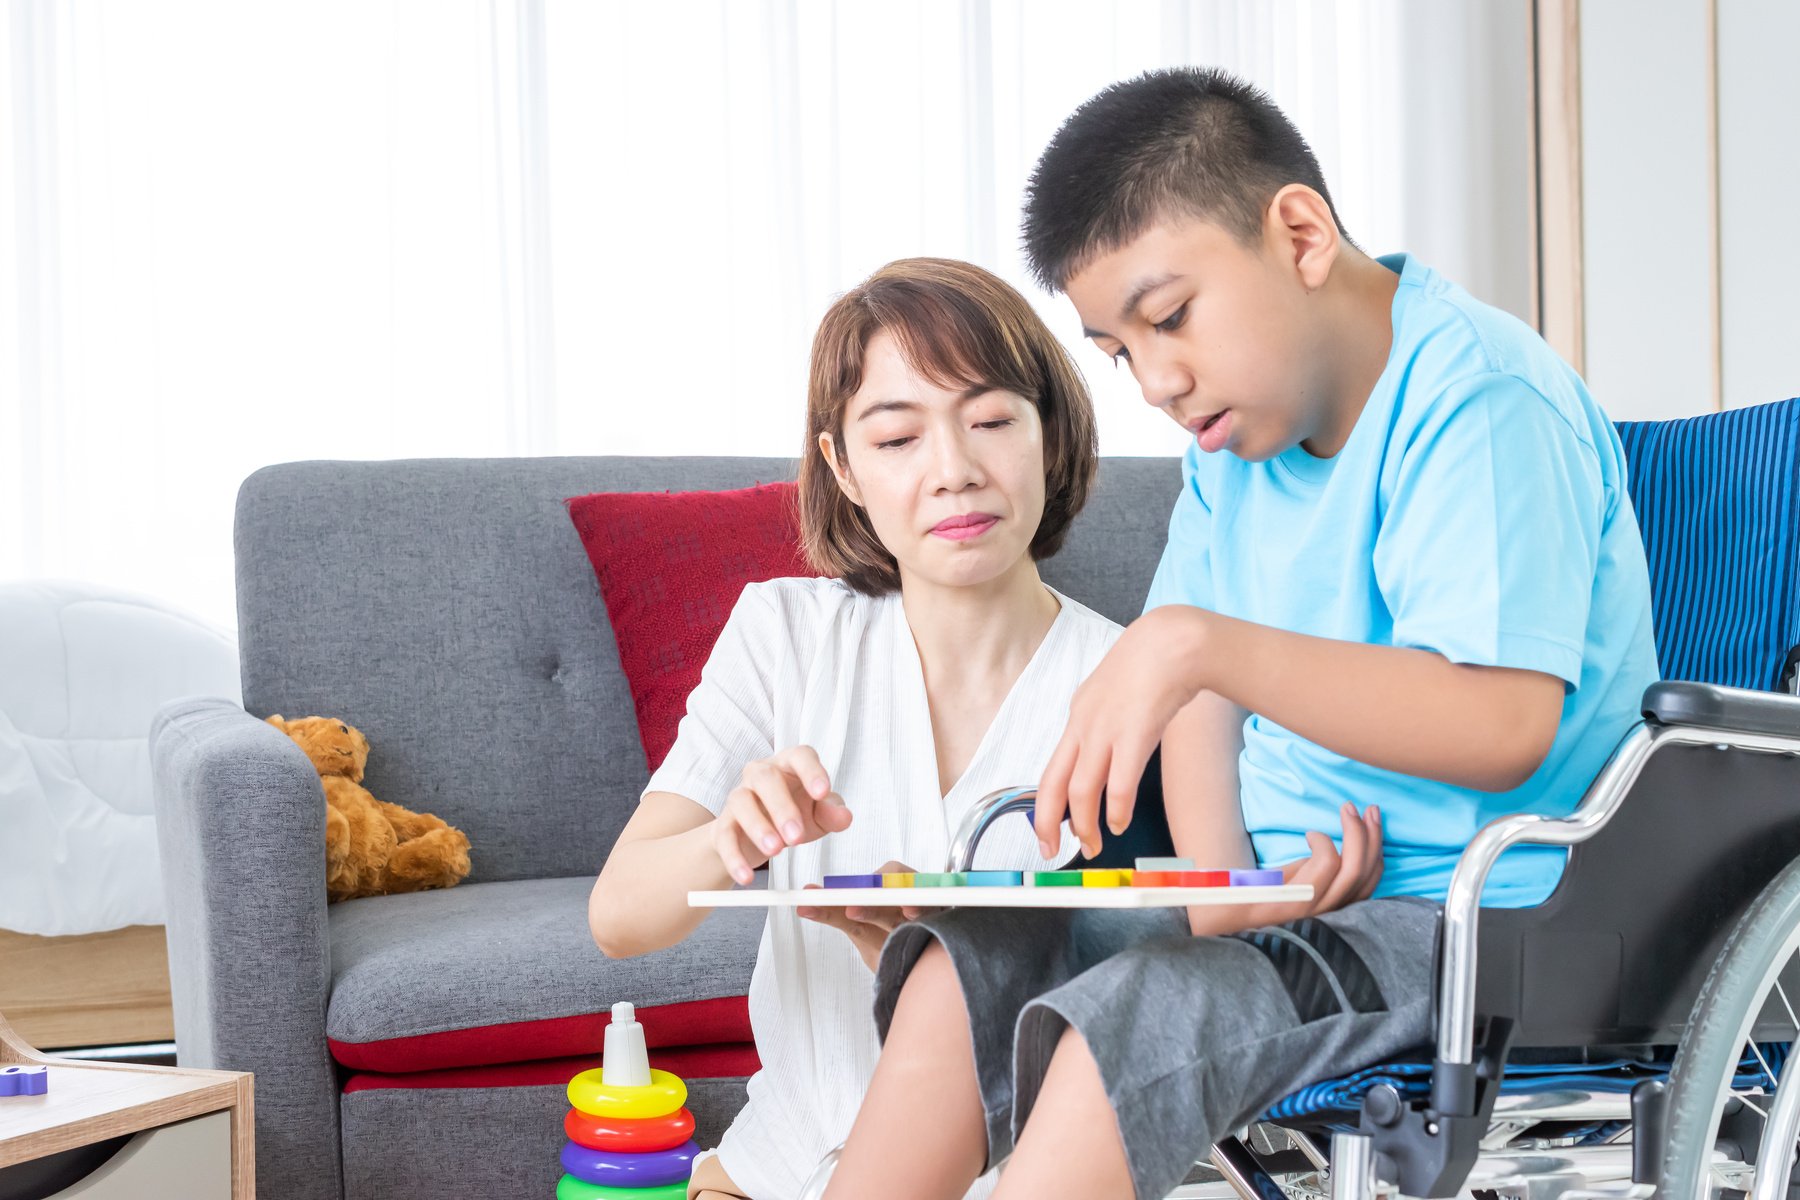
(1629, 1036)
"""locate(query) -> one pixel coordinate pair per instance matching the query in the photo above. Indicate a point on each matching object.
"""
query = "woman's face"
(953, 481)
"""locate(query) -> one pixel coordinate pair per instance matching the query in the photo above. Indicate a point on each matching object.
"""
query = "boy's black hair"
(1188, 141)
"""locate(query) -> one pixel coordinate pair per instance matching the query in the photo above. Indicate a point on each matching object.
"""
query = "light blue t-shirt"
(1478, 510)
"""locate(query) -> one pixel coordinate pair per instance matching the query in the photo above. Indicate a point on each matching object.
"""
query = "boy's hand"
(783, 800)
(867, 927)
(1116, 718)
(1337, 878)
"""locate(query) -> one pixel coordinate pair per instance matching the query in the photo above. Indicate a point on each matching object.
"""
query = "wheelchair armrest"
(1708, 706)
(1462, 905)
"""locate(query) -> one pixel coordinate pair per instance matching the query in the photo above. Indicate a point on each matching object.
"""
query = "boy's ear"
(1305, 233)
(839, 470)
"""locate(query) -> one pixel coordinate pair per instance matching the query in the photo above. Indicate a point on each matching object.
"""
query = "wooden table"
(190, 1134)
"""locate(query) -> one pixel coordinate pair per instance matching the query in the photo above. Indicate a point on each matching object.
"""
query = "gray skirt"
(1194, 1036)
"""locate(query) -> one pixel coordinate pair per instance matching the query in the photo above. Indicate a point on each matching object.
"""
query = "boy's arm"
(1200, 752)
(1411, 711)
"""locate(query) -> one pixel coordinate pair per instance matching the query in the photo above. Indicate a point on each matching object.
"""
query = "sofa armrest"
(241, 830)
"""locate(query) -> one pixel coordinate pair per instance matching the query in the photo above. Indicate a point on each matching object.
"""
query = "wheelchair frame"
(1455, 1141)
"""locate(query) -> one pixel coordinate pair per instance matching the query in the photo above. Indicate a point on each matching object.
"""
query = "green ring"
(571, 1188)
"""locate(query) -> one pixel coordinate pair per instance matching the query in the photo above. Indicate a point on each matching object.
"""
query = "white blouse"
(812, 662)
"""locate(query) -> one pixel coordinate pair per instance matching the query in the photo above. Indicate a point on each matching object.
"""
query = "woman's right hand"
(780, 801)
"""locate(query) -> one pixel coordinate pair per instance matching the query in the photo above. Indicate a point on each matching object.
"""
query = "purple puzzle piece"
(852, 881)
(20, 1080)
(1256, 879)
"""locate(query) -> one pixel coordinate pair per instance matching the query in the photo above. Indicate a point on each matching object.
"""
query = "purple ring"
(614, 1168)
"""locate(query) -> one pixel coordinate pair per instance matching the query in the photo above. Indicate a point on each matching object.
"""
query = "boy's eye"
(1172, 322)
(1120, 355)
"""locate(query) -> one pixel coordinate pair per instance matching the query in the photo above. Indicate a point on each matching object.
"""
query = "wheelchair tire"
(1741, 981)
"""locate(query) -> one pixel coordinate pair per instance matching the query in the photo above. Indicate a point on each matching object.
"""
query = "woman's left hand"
(866, 926)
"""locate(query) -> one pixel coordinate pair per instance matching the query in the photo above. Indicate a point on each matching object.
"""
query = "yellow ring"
(664, 1094)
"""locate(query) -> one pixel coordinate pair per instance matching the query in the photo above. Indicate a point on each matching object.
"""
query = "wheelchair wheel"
(1724, 1139)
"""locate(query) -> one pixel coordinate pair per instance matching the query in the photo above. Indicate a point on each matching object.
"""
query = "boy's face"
(1217, 333)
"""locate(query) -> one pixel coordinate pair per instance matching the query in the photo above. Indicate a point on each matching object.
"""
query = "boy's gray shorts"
(1194, 1036)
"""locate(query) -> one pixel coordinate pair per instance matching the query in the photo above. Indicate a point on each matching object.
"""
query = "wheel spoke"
(1782, 992)
(1745, 1098)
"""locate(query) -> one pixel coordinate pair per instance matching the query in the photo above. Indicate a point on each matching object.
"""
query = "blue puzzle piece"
(996, 879)
(852, 881)
(20, 1080)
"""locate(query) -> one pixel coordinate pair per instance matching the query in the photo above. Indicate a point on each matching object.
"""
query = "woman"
(845, 722)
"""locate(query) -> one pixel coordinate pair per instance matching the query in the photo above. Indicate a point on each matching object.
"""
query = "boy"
(1403, 548)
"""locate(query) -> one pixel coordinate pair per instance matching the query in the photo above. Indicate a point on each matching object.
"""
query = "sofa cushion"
(671, 566)
(507, 972)
(732, 1060)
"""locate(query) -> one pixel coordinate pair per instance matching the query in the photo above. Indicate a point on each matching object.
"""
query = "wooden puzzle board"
(998, 897)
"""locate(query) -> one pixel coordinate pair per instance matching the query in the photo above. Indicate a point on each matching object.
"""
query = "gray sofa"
(447, 608)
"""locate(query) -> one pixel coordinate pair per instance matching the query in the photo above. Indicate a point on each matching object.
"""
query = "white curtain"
(241, 233)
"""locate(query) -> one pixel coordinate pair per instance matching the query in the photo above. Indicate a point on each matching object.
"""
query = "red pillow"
(671, 566)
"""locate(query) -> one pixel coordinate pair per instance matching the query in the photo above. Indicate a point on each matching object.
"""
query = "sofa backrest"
(446, 607)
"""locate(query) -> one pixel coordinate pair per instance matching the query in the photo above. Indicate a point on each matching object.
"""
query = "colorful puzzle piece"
(22, 1080)
(1150, 872)
(1104, 877)
(1265, 878)
(853, 881)
(1142, 878)
(1055, 879)
(1165, 864)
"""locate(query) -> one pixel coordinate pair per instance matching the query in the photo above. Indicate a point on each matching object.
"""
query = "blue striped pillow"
(1716, 500)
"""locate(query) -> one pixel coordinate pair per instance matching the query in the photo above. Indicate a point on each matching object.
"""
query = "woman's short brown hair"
(959, 326)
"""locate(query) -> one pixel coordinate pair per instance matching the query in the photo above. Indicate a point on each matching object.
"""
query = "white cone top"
(625, 1061)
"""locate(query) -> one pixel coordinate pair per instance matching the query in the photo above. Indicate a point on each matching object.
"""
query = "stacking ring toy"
(624, 1134)
(664, 1094)
(630, 1170)
(571, 1188)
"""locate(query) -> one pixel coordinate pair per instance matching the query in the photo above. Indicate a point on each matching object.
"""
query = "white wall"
(1647, 204)
(1759, 193)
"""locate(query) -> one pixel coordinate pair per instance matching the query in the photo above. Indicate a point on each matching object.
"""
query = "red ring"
(634, 1136)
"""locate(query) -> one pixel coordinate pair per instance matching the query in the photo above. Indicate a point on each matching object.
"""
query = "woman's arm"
(639, 903)
(672, 846)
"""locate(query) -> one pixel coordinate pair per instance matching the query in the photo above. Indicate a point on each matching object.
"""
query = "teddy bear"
(372, 848)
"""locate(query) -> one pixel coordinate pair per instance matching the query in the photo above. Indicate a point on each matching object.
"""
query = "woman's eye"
(1172, 322)
(1000, 423)
(1120, 355)
(892, 443)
